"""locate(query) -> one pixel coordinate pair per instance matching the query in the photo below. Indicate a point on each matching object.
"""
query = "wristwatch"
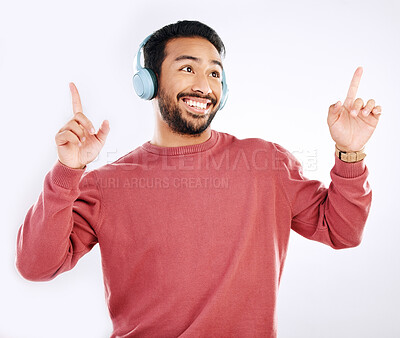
(350, 157)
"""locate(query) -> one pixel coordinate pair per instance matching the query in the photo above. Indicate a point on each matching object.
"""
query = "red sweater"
(193, 239)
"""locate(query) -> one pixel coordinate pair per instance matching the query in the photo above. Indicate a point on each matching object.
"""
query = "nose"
(201, 85)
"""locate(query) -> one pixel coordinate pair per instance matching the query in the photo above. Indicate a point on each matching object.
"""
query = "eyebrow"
(188, 57)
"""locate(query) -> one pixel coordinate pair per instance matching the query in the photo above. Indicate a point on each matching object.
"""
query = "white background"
(286, 63)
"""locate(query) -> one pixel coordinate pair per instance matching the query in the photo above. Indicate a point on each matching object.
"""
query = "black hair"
(154, 49)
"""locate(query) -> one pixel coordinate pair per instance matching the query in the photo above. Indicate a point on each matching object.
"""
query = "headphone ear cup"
(224, 95)
(145, 83)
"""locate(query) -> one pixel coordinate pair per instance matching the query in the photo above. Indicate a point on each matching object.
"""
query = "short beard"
(172, 115)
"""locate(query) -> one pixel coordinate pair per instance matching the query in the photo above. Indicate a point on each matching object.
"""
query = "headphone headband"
(139, 54)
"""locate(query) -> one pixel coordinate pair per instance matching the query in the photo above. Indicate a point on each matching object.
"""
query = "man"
(193, 226)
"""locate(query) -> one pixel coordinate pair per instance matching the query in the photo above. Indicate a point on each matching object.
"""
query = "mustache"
(207, 97)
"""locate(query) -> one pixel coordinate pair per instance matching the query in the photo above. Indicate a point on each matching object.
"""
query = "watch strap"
(350, 157)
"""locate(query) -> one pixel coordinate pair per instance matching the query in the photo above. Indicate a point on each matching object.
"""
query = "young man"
(193, 226)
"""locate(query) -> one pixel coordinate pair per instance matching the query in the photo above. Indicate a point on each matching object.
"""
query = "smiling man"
(190, 87)
(194, 225)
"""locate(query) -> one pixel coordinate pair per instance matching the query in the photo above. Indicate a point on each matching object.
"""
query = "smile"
(197, 105)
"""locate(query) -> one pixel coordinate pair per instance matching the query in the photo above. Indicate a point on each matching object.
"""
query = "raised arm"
(335, 216)
(61, 226)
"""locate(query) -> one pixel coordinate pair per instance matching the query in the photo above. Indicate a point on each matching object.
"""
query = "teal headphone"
(145, 80)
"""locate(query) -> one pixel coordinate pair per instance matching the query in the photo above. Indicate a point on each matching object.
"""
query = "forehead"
(193, 46)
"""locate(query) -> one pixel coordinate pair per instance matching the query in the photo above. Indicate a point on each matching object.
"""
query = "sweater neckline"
(183, 150)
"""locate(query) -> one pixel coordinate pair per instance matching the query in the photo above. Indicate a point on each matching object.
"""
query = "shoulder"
(284, 157)
(277, 155)
(257, 150)
(244, 143)
(126, 162)
(254, 144)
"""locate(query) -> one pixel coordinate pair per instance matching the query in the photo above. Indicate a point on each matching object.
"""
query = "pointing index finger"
(76, 100)
(355, 81)
(77, 108)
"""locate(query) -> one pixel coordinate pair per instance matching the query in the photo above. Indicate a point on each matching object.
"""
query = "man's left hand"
(352, 124)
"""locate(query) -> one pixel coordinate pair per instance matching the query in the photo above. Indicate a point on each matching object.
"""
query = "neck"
(164, 136)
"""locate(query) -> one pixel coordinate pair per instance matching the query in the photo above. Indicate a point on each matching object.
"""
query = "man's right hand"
(77, 141)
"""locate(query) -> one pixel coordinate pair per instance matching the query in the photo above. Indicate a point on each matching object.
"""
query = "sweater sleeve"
(60, 227)
(335, 216)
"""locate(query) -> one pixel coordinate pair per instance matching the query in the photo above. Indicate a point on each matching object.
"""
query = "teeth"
(196, 104)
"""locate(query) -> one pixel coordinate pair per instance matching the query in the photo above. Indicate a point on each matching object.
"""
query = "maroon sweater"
(193, 239)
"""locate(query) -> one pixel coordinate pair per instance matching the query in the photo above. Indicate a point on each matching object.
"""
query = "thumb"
(103, 131)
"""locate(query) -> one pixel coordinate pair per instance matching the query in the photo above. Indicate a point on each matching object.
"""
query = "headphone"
(145, 80)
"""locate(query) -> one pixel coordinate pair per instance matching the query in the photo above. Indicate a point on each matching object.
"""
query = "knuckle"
(70, 134)
(71, 124)
(76, 125)
(81, 118)
(359, 103)
(76, 134)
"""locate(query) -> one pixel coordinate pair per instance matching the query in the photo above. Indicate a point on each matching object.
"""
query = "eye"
(188, 69)
(215, 74)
